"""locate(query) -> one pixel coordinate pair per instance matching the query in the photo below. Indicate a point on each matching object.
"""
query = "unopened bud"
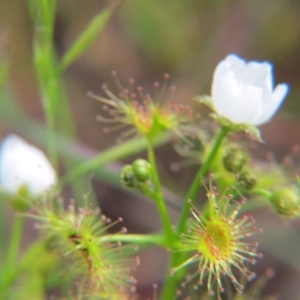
(246, 180)
(127, 176)
(141, 169)
(286, 202)
(234, 159)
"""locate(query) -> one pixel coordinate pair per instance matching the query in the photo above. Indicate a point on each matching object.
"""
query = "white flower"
(244, 92)
(22, 164)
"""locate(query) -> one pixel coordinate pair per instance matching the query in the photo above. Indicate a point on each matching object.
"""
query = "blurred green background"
(186, 38)
(148, 38)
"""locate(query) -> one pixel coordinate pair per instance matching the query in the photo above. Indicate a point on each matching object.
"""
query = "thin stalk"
(171, 283)
(43, 15)
(261, 192)
(194, 188)
(139, 239)
(14, 245)
(159, 201)
(262, 200)
(52, 90)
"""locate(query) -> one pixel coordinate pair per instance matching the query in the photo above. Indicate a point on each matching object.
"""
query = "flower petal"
(259, 75)
(223, 76)
(239, 103)
(245, 109)
(235, 64)
(272, 104)
(243, 92)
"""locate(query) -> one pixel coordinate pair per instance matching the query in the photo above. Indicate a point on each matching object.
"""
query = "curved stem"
(261, 201)
(159, 199)
(261, 192)
(171, 283)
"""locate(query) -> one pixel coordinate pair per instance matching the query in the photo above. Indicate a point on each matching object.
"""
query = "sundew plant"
(57, 241)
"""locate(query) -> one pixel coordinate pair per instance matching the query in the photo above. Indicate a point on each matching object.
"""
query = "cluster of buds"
(137, 175)
(235, 160)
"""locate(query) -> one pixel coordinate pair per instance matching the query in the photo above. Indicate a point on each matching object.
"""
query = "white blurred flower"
(244, 92)
(23, 165)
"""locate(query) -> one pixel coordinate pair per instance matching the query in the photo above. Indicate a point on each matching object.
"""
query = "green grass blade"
(88, 36)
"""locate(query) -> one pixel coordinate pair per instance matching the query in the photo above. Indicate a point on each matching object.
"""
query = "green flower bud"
(21, 200)
(286, 202)
(234, 159)
(141, 169)
(246, 180)
(127, 176)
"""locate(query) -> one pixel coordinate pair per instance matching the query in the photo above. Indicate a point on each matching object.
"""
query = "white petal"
(243, 92)
(235, 64)
(239, 103)
(259, 75)
(23, 164)
(223, 76)
(246, 106)
(272, 104)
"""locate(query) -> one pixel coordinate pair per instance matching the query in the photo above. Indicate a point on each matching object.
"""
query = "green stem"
(194, 188)
(139, 239)
(13, 247)
(52, 90)
(25, 260)
(261, 192)
(14, 244)
(159, 201)
(171, 283)
(43, 15)
(261, 201)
